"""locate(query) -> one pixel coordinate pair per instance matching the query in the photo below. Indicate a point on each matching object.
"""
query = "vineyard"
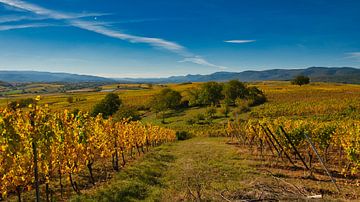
(303, 141)
(325, 101)
(331, 147)
(39, 148)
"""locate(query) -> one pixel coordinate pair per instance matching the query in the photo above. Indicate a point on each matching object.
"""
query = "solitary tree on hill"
(300, 80)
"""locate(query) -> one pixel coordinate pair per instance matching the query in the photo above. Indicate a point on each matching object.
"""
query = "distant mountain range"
(324, 74)
(48, 77)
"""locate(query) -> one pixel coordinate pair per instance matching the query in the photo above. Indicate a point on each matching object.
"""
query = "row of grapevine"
(38, 146)
(338, 142)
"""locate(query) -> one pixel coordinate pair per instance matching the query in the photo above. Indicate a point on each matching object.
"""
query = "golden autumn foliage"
(66, 143)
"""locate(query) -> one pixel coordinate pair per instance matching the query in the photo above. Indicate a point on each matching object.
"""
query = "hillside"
(324, 74)
(35, 76)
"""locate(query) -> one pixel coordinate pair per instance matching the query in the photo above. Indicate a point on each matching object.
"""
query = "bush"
(211, 111)
(225, 109)
(183, 135)
(70, 99)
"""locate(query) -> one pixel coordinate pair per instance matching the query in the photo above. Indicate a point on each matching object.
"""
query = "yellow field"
(316, 99)
(131, 94)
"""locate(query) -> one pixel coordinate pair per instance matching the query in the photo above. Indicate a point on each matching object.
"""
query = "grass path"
(208, 169)
(185, 170)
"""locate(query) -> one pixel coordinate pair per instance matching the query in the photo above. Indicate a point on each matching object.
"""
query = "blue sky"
(142, 38)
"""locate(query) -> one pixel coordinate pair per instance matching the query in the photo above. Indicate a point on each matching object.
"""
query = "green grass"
(202, 166)
(208, 169)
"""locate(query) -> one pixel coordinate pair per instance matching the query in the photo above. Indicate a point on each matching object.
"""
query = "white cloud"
(16, 18)
(23, 26)
(94, 27)
(240, 41)
(201, 61)
(100, 29)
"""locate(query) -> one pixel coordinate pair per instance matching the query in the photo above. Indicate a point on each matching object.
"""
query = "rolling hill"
(324, 74)
(48, 77)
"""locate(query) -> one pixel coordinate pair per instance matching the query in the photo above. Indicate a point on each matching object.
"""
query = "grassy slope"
(211, 170)
(200, 165)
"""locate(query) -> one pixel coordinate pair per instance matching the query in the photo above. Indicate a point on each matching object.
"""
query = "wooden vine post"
(322, 162)
(294, 147)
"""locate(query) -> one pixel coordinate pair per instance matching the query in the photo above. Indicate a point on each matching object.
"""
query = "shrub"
(225, 109)
(211, 111)
(70, 99)
(183, 135)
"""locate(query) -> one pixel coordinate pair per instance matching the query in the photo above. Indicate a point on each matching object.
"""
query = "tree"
(108, 106)
(210, 93)
(300, 80)
(127, 112)
(166, 99)
(234, 89)
(192, 95)
(255, 96)
(150, 85)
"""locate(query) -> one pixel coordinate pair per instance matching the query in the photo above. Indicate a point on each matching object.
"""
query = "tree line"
(208, 94)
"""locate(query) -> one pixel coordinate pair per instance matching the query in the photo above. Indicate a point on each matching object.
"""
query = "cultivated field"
(251, 153)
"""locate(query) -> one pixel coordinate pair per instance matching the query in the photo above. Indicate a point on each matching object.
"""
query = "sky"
(160, 38)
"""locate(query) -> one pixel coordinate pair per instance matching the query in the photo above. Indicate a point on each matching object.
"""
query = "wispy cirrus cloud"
(239, 41)
(201, 61)
(16, 18)
(106, 31)
(23, 26)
